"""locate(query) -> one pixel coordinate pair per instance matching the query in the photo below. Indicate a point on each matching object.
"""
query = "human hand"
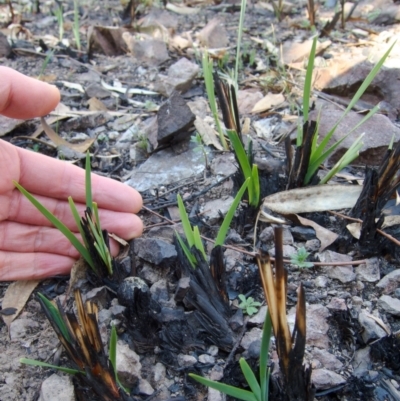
(30, 248)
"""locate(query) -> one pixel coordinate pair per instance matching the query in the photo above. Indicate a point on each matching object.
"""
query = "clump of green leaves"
(249, 305)
(95, 249)
(321, 152)
(300, 258)
(258, 388)
(192, 234)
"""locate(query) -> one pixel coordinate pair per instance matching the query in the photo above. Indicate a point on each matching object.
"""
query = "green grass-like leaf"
(33, 362)
(250, 378)
(241, 394)
(229, 216)
(187, 227)
(88, 181)
(264, 370)
(58, 224)
(190, 257)
(239, 39)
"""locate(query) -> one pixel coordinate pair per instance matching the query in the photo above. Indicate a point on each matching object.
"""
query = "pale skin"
(30, 248)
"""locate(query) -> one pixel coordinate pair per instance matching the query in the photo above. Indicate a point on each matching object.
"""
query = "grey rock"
(149, 52)
(302, 233)
(206, 359)
(324, 379)
(312, 245)
(254, 349)
(118, 311)
(150, 274)
(372, 330)
(99, 296)
(374, 146)
(259, 317)
(267, 235)
(166, 167)
(287, 237)
(57, 387)
(96, 90)
(154, 250)
(85, 122)
(159, 373)
(185, 361)
(20, 327)
(216, 373)
(253, 335)
(128, 288)
(390, 282)
(213, 35)
(223, 165)
(128, 365)
(181, 289)
(179, 78)
(159, 291)
(345, 274)
(361, 362)
(212, 208)
(321, 281)
(105, 316)
(337, 304)
(288, 251)
(174, 120)
(397, 293)
(212, 350)
(144, 387)
(215, 395)
(236, 321)
(326, 359)
(389, 304)
(369, 271)
(158, 17)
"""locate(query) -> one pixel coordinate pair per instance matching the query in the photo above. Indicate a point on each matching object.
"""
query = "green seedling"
(320, 152)
(300, 259)
(248, 305)
(75, 26)
(258, 388)
(58, 12)
(46, 62)
(192, 234)
(95, 250)
(249, 171)
(239, 40)
(209, 83)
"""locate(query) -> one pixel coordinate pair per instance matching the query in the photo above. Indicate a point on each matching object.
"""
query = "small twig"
(235, 347)
(386, 235)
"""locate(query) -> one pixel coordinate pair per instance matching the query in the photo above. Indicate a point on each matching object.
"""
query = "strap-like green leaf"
(250, 378)
(33, 362)
(88, 181)
(187, 227)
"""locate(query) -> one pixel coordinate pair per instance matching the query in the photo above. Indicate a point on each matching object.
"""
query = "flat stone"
(159, 291)
(157, 17)
(361, 362)
(179, 78)
(345, 274)
(259, 317)
(303, 233)
(224, 164)
(150, 274)
(321, 281)
(327, 360)
(128, 365)
(288, 251)
(324, 379)
(213, 35)
(97, 91)
(206, 359)
(155, 250)
(247, 99)
(372, 330)
(212, 208)
(337, 304)
(174, 120)
(185, 361)
(312, 245)
(148, 52)
(253, 335)
(57, 387)
(215, 395)
(374, 146)
(287, 237)
(144, 387)
(369, 271)
(166, 167)
(389, 304)
(390, 282)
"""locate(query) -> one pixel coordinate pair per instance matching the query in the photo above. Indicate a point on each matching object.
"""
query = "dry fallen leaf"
(208, 134)
(183, 10)
(318, 198)
(16, 296)
(268, 102)
(96, 104)
(58, 141)
(325, 236)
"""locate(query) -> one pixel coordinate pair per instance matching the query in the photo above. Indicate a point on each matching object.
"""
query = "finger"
(69, 180)
(39, 239)
(24, 97)
(125, 225)
(31, 266)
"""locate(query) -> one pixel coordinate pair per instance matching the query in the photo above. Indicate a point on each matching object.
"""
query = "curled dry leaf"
(207, 133)
(183, 10)
(268, 102)
(58, 141)
(16, 296)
